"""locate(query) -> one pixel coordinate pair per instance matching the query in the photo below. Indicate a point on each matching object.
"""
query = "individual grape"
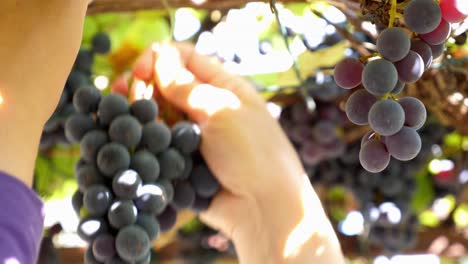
(84, 61)
(404, 145)
(186, 137)
(91, 143)
(86, 99)
(187, 167)
(398, 87)
(149, 224)
(411, 68)
(201, 204)
(373, 156)
(203, 181)
(437, 50)
(77, 126)
(386, 117)
(168, 188)
(358, 106)
(439, 35)
(112, 106)
(453, 11)
(97, 199)
(424, 50)
(379, 77)
(368, 136)
(89, 257)
(172, 164)
(335, 148)
(311, 153)
(156, 137)
(112, 158)
(299, 133)
(62, 101)
(101, 43)
(91, 227)
(122, 213)
(76, 80)
(151, 199)
(104, 247)
(348, 73)
(167, 219)
(301, 114)
(393, 44)
(132, 243)
(324, 132)
(77, 201)
(126, 183)
(144, 110)
(184, 195)
(126, 130)
(88, 175)
(415, 112)
(422, 16)
(52, 124)
(147, 166)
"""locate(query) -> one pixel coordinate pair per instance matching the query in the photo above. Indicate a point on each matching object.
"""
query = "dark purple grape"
(334, 149)
(437, 50)
(411, 68)
(126, 183)
(186, 137)
(86, 99)
(144, 110)
(168, 189)
(204, 182)
(398, 87)
(112, 158)
(373, 156)
(172, 164)
(88, 175)
(404, 145)
(76, 80)
(167, 219)
(424, 50)
(77, 126)
(311, 153)
(368, 136)
(184, 195)
(104, 247)
(415, 112)
(422, 16)
(97, 199)
(77, 201)
(348, 73)
(89, 257)
(386, 117)
(358, 106)
(91, 227)
(201, 204)
(122, 213)
(132, 243)
(156, 137)
(324, 132)
(147, 166)
(91, 143)
(393, 44)
(379, 77)
(187, 167)
(111, 106)
(84, 61)
(439, 35)
(149, 224)
(299, 133)
(151, 199)
(126, 130)
(101, 43)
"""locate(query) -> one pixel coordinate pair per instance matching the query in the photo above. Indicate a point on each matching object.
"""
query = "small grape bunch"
(135, 173)
(401, 60)
(80, 76)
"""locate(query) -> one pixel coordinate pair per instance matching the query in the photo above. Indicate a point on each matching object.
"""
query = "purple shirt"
(21, 222)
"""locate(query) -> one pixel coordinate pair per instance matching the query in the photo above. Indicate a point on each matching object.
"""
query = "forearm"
(39, 44)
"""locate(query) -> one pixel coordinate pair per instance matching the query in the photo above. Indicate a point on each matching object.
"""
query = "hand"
(266, 205)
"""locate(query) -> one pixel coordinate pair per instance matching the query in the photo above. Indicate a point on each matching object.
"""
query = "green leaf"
(460, 216)
(424, 194)
(428, 218)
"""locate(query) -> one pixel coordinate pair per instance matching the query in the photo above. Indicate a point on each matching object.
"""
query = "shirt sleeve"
(21, 221)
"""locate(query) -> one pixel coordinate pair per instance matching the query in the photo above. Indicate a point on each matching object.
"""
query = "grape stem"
(393, 13)
(366, 58)
(311, 105)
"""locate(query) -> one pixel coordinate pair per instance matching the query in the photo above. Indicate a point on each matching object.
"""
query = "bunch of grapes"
(395, 122)
(135, 173)
(316, 135)
(53, 131)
